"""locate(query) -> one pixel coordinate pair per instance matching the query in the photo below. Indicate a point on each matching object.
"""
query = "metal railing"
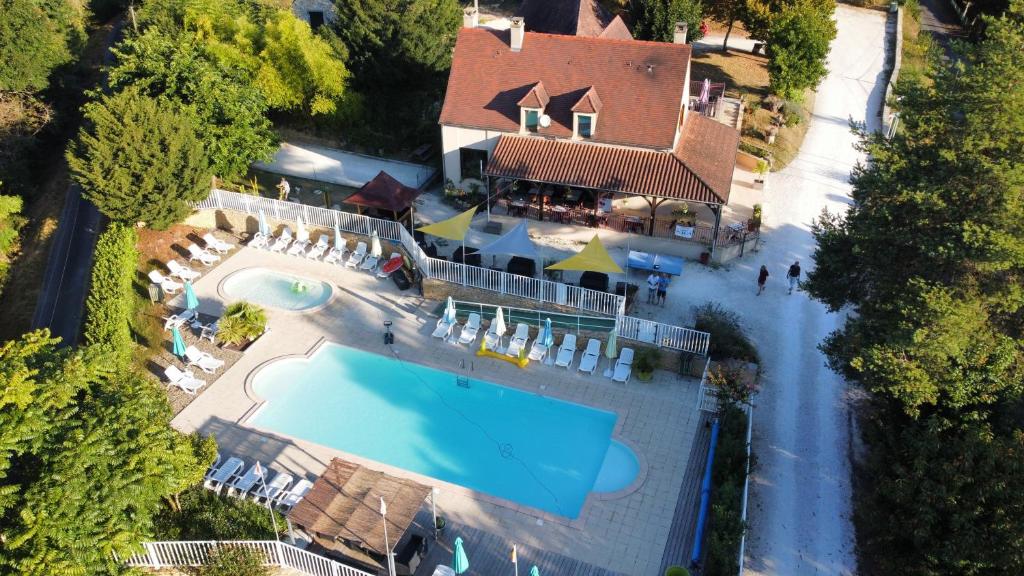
(707, 400)
(663, 335)
(197, 553)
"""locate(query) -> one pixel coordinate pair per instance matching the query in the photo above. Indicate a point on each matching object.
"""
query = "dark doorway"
(470, 162)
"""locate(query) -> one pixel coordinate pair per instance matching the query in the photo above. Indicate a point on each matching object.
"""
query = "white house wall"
(453, 138)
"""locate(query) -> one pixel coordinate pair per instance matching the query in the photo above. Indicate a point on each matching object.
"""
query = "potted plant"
(439, 524)
(761, 170)
(241, 324)
(683, 216)
(644, 362)
(754, 223)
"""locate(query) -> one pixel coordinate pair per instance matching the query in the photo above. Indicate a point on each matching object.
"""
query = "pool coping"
(226, 298)
(579, 522)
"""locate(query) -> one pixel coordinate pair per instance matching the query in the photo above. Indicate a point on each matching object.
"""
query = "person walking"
(652, 287)
(663, 289)
(283, 189)
(793, 276)
(762, 278)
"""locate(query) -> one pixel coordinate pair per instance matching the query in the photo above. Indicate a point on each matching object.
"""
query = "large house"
(580, 112)
(574, 17)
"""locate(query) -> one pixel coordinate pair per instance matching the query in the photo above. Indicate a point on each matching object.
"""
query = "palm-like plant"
(242, 321)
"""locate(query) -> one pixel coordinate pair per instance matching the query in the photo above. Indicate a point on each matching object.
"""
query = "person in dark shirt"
(762, 277)
(794, 276)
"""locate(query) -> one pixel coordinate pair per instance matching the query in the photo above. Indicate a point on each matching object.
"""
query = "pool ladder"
(463, 381)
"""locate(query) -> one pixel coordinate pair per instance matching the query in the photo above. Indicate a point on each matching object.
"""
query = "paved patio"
(340, 167)
(658, 419)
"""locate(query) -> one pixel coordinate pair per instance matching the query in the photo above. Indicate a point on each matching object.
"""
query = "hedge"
(109, 305)
(726, 526)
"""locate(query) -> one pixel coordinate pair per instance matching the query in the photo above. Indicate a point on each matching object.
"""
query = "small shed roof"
(345, 504)
(384, 193)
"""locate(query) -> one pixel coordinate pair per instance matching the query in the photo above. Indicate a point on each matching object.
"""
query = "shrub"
(242, 321)
(206, 515)
(233, 561)
(730, 472)
(108, 307)
(727, 337)
(677, 571)
(645, 361)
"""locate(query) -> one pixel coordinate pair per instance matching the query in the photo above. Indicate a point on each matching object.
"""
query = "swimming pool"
(276, 289)
(531, 449)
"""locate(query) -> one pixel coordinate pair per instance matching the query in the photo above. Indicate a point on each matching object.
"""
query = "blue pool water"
(534, 450)
(276, 289)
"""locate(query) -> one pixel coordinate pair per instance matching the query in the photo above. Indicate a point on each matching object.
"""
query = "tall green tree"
(109, 304)
(656, 19)
(37, 36)
(727, 12)
(139, 160)
(798, 45)
(930, 258)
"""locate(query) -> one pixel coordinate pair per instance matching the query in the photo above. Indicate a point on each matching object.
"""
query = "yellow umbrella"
(454, 228)
(593, 258)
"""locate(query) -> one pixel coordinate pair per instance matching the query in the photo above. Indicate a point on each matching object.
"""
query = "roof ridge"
(570, 37)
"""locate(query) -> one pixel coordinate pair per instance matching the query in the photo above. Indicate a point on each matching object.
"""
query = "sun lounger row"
(279, 489)
(300, 245)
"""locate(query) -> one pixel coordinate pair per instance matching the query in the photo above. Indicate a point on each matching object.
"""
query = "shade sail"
(593, 258)
(516, 241)
(454, 228)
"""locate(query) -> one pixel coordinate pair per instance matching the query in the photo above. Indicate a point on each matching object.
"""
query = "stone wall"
(440, 290)
(302, 8)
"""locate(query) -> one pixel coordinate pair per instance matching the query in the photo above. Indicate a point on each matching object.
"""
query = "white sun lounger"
(567, 351)
(289, 498)
(213, 467)
(183, 379)
(538, 351)
(267, 492)
(519, 340)
(337, 254)
(258, 241)
(370, 262)
(443, 328)
(282, 241)
(227, 472)
(210, 331)
(318, 249)
(181, 271)
(166, 284)
(197, 253)
(216, 244)
(491, 338)
(178, 320)
(356, 257)
(241, 485)
(470, 329)
(202, 360)
(588, 362)
(623, 366)
(300, 244)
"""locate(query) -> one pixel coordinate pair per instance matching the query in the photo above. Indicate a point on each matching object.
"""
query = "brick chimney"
(679, 37)
(516, 29)
(470, 17)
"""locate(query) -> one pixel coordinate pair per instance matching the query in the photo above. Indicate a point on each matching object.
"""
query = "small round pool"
(276, 289)
(619, 470)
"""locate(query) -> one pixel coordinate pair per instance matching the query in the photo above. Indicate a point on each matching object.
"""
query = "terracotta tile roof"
(572, 17)
(602, 167)
(385, 193)
(708, 148)
(617, 30)
(589, 103)
(537, 97)
(640, 83)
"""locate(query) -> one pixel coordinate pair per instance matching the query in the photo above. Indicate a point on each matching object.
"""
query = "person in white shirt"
(284, 188)
(652, 287)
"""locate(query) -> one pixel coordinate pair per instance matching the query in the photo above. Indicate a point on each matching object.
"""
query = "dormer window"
(584, 114)
(531, 108)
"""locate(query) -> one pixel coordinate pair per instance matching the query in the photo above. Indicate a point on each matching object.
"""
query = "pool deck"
(624, 532)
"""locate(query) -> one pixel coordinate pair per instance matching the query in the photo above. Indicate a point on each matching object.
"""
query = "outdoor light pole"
(387, 547)
(263, 481)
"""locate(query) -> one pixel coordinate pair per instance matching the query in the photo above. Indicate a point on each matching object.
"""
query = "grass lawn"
(746, 76)
(916, 46)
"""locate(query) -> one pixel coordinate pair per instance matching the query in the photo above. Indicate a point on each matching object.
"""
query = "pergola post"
(653, 202)
(717, 209)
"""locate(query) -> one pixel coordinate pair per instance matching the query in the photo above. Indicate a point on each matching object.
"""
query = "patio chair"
(538, 351)
(566, 352)
(179, 270)
(318, 249)
(287, 499)
(241, 485)
(165, 283)
(519, 340)
(224, 474)
(202, 360)
(197, 253)
(267, 492)
(588, 362)
(216, 244)
(492, 339)
(282, 241)
(300, 244)
(178, 320)
(337, 254)
(356, 257)
(470, 329)
(623, 366)
(183, 379)
(258, 241)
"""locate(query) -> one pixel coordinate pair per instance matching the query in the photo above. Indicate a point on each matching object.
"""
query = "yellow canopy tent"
(454, 228)
(593, 258)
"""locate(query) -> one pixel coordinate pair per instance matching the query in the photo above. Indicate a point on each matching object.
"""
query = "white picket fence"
(707, 400)
(638, 329)
(197, 553)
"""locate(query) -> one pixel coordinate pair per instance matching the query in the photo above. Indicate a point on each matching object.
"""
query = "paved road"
(66, 281)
